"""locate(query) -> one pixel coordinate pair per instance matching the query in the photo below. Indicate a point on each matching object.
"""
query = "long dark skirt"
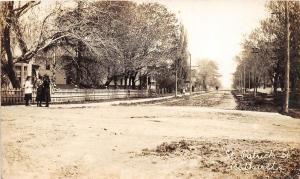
(46, 94)
(39, 94)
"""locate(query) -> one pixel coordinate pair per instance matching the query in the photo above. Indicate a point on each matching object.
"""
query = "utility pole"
(1, 23)
(287, 65)
(244, 79)
(241, 82)
(249, 80)
(254, 78)
(190, 74)
(255, 51)
(176, 79)
(1, 26)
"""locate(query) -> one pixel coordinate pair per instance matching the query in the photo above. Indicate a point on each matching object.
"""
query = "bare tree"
(269, 40)
(207, 73)
(125, 37)
(12, 28)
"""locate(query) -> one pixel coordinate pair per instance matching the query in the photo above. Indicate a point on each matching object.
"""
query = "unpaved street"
(147, 141)
(215, 99)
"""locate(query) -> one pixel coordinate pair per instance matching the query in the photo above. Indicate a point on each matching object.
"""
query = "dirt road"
(215, 99)
(156, 141)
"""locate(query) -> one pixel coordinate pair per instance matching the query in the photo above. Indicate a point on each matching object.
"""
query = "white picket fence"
(16, 96)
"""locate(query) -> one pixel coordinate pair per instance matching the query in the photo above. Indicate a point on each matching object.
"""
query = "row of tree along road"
(97, 42)
(271, 53)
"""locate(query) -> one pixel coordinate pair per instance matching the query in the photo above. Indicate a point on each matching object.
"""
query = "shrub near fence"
(16, 96)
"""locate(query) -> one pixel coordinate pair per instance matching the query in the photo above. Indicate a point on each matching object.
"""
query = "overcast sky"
(216, 28)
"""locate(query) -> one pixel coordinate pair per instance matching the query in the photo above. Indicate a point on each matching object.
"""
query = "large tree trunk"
(264, 79)
(19, 35)
(7, 10)
(275, 84)
(11, 17)
(133, 80)
(79, 50)
(204, 83)
(115, 81)
(140, 81)
(125, 82)
(293, 81)
(129, 82)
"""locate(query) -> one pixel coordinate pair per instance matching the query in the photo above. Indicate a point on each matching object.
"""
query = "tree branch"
(22, 10)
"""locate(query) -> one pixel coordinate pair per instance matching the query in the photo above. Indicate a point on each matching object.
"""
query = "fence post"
(86, 97)
(107, 92)
(94, 95)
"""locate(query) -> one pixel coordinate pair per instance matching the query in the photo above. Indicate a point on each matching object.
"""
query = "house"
(47, 66)
(40, 65)
(57, 67)
(23, 70)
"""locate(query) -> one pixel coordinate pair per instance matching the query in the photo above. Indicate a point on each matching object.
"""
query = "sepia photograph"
(150, 89)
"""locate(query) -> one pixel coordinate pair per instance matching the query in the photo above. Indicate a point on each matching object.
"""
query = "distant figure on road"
(46, 90)
(217, 88)
(28, 90)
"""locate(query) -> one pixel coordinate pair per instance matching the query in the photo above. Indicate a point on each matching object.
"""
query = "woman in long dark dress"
(39, 91)
(46, 90)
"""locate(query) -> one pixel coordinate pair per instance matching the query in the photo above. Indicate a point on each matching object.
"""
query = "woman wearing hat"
(46, 89)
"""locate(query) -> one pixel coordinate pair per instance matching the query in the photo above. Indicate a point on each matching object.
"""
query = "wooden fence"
(16, 96)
